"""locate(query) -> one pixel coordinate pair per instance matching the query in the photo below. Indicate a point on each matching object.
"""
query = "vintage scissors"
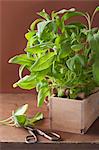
(32, 138)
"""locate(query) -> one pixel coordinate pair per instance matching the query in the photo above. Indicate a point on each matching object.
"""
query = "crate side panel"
(91, 109)
(68, 118)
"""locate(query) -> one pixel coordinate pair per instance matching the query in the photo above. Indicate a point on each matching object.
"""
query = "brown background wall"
(15, 18)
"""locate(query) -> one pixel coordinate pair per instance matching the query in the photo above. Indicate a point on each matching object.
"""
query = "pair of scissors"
(32, 138)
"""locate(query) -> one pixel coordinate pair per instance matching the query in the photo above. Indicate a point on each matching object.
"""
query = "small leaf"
(41, 26)
(65, 10)
(44, 14)
(77, 47)
(97, 8)
(73, 61)
(96, 71)
(21, 119)
(41, 84)
(70, 63)
(29, 35)
(22, 110)
(43, 62)
(71, 14)
(21, 70)
(36, 49)
(94, 42)
(32, 27)
(39, 48)
(30, 81)
(22, 60)
(43, 93)
(36, 118)
(65, 49)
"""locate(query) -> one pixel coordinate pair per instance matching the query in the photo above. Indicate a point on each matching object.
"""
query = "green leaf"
(97, 8)
(65, 10)
(30, 81)
(43, 93)
(32, 41)
(73, 61)
(65, 49)
(70, 63)
(29, 35)
(41, 26)
(71, 14)
(77, 47)
(44, 14)
(36, 118)
(22, 60)
(39, 48)
(21, 110)
(77, 25)
(94, 42)
(41, 84)
(96, 71)
(36, 49)
(21, 68)
(21, 119)
(32, 27)
(43, 62)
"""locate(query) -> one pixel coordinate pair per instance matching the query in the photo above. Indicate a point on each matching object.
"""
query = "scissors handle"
(32, 138)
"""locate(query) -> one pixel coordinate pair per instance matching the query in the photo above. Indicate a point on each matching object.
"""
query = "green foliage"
(60, 56)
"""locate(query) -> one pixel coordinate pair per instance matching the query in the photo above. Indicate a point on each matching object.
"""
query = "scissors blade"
(49, 135)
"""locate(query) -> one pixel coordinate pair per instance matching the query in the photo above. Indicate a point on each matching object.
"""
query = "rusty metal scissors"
(32, 138)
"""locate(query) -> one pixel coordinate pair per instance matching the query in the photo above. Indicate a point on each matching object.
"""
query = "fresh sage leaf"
(97, 8)
(22, 110)
(21, 70)
(71, 14)
(41, 26)
(33, 25)
(96, 72)
(22, 60)
(29, 35)
(43, 62)
(21, 119)
(65, 10)
(36, 118)
(42, 94)
(77, 47)
(44, 14)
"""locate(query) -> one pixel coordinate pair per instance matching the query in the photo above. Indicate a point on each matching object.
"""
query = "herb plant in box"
(63, 61)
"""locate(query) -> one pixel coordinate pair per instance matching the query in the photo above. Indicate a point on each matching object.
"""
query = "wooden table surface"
(9, 102)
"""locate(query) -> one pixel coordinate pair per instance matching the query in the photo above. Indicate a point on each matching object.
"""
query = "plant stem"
(87, 16)
(93, 16)
(8, 119)
(8, 124)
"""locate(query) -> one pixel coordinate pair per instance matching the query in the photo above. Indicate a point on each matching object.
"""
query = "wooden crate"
(74, 116)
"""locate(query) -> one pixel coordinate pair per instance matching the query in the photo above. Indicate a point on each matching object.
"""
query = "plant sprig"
(19, 118)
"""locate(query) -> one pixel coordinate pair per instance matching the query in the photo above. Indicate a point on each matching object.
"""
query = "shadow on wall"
(16, 17)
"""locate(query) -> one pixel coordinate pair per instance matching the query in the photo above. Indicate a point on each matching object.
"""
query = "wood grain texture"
(9, 102)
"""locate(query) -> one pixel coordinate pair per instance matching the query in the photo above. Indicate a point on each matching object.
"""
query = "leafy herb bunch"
(62, 58)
